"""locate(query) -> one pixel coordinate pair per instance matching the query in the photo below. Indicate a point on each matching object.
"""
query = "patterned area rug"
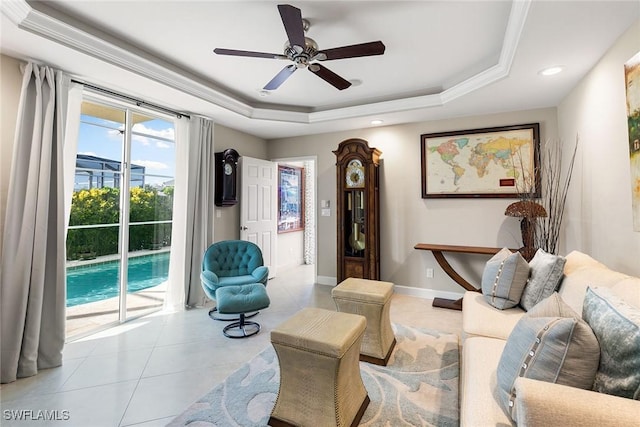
(418, 387)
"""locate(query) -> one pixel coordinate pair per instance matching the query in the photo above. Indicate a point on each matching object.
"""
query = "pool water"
(100, 281)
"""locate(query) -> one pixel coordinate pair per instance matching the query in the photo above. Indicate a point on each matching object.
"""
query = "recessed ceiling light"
(376, 122)
(551, 70)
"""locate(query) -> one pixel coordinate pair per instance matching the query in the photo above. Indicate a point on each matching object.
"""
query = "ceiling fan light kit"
(303, 51)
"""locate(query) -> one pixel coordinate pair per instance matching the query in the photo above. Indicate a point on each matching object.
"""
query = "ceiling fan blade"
(234, 52)
(292, 21)
(329, 76)
(353, 51)
(280, 77)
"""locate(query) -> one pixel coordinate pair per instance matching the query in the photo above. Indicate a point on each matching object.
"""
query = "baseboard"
(426, 293)
(404, 290)
(327, 280)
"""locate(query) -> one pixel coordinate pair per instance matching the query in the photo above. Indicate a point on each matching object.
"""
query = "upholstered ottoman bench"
(240, 300)
(371, 299)
(320, 382)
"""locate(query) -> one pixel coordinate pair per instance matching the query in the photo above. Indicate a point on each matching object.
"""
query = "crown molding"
(16, 10)
(515, 24)
(132, 59)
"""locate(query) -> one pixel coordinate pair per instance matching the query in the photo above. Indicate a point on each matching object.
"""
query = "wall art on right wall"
(632, 82)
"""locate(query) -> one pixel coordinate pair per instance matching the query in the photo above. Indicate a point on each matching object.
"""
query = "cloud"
(141, 139)
(144, 135)
(150, 164)
(167, 133)
(115, 134)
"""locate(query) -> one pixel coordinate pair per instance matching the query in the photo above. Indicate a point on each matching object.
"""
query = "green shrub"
(101, 206)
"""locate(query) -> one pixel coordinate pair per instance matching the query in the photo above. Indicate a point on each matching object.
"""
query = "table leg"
(446, 267)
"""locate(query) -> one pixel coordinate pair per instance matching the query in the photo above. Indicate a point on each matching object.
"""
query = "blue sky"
(149, 147)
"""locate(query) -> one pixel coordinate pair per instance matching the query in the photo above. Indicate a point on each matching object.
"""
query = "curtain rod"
(138, 102)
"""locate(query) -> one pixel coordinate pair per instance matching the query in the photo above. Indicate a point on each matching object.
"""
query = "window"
(119, 238)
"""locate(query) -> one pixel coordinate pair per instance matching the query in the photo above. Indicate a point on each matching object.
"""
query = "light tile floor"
(145, 372)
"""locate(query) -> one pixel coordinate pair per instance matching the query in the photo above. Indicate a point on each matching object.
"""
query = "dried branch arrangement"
(555, 186)
(542, 216)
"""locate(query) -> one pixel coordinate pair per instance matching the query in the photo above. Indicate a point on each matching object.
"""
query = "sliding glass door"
(119, 238)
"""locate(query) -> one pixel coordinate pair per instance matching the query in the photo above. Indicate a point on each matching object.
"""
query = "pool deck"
(83, 319)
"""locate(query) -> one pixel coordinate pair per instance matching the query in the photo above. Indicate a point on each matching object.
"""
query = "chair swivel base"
(241, 329)
(213, 313)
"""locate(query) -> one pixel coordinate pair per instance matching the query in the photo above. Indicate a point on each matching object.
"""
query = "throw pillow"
(617, 326)
(552, 306)
(552, 349)
(545, 275)
(504, 278)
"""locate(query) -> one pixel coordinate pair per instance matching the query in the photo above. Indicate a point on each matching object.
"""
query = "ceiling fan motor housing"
(300, 56)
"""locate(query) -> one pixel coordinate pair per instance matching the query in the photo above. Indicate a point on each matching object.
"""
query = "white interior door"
(258, 207)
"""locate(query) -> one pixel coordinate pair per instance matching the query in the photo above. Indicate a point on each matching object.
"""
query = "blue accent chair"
(232, 263)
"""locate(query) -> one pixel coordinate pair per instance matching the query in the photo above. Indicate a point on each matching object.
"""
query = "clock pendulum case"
(358, 210)
(226, 170)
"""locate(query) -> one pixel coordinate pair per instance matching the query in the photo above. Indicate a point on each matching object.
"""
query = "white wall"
(227, 225)
(599, 216)
(10, 86)
(290, 249)
(406, 218)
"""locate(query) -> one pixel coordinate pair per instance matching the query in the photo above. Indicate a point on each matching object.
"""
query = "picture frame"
(493, 162)
(290, 199)
(632, 88)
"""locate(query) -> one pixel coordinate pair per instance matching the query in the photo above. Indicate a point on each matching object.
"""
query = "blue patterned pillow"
(504, 278)
(617, 327)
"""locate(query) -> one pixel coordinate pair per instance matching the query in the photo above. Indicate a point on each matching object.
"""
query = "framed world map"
(488, 162)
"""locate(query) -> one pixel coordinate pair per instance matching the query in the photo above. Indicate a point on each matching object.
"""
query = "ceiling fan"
(303, 51)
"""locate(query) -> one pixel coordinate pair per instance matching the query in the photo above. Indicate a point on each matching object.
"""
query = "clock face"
(355, 174)
(228, 169)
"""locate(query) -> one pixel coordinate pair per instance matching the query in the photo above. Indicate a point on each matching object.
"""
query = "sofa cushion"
(478, 399)
(577, 260)
(560, 350)
(574, 285)
(617, 326)
(628, 290)
(544, 277)
(504, 278)
(481, 319)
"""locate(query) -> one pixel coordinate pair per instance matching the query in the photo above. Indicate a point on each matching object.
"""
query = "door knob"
(243, 228)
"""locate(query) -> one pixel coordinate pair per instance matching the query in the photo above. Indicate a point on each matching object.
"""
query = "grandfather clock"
(358, 210)
(226, 168)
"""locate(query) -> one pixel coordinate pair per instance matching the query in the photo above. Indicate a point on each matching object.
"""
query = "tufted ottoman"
(371, 299)
(320, 382)
(240, 300)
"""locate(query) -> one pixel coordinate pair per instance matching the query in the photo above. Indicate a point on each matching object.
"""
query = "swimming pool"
(96, 282)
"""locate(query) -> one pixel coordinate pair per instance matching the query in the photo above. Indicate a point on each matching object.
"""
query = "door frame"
(314, 159)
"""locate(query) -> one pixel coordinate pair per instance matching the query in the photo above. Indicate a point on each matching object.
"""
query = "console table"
(437, 251)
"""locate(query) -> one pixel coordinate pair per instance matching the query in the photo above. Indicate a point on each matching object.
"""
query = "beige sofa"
(485, 330)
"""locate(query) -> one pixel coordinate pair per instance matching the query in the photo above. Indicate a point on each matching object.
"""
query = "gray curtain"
(193, 212)
(32, 286)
